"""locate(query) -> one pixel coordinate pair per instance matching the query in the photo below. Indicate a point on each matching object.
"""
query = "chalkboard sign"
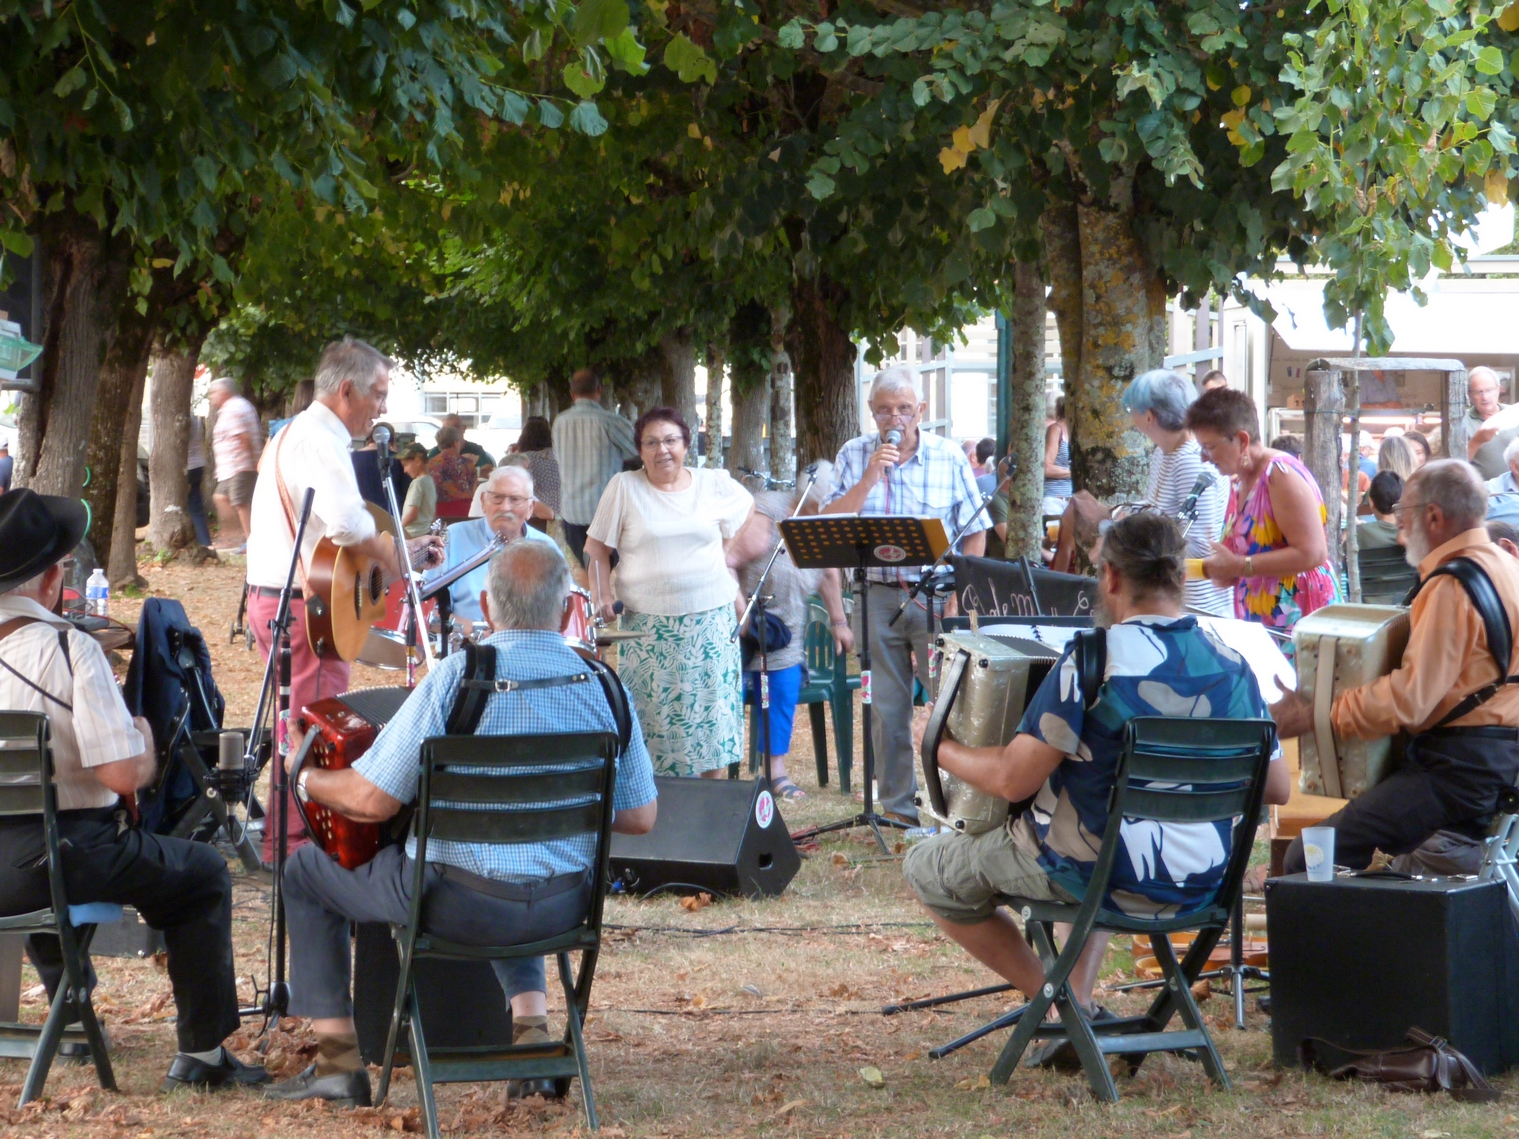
(996, 588)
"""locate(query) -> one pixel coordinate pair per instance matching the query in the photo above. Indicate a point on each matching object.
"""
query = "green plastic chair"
(498, 793)
(27, 789)
(1187, 771)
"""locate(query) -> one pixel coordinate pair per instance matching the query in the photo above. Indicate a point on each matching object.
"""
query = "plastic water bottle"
(97, 594)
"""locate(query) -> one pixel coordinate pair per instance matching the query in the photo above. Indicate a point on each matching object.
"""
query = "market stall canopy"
(1460, 321)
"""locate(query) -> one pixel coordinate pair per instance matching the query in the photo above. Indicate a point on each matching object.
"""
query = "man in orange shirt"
(1456, 693)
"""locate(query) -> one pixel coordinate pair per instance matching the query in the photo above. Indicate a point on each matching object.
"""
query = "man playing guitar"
(508, 503)
(477, 894)
(352, 382)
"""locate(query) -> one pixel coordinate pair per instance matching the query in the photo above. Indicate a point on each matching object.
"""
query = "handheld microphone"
(894, 436)
(382, 447)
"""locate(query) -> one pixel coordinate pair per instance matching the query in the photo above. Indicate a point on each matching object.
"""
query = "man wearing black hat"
(100, 755)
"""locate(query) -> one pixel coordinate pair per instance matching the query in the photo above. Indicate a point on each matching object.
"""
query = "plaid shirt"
(935, 482)
(392, 764)
(590, 443)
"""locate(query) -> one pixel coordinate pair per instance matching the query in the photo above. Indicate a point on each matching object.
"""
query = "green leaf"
(628, 53)
(1480, 102)
(550, 115)
(578, 80)
(532, 46)
(819, 185)
(16, 241)
(597, 20)
(72, 79)
(688, 60)
(586, 118)
(207, 169)
(406, 18)
(1489, 61)
(791, 35)
(983, 218)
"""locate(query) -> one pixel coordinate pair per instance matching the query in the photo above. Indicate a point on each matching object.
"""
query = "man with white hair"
(507, 499)
(476, 894)
(1508, 481)
(920, 474)
(1456, 693)
(234, 445)
(1485, 445)
(352, 382)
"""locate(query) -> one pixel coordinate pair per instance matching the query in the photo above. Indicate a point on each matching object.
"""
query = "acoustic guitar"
(345, 595)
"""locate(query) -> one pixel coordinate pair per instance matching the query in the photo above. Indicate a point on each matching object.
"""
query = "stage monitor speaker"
(1360, 961)
(724, 836)
(462, 1002)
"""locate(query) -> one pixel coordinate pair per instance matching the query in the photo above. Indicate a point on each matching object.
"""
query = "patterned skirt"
(683, 677)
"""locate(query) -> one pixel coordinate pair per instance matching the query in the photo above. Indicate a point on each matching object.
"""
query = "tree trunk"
(1323, 412)
(121, 375)
(1062, 254)
(169, 527)
(84, 292)
(716, 377)
(749, 392)
(678, 376)
(121, 565)
(783, 462)
(1123, 308)
(1025, 414)
(827, 402)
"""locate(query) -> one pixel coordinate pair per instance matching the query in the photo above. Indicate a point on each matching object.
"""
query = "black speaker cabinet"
(1360, 961)
(462, 1002)
(724, 836)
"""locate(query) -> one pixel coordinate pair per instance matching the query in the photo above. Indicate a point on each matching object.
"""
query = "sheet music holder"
(857, 542)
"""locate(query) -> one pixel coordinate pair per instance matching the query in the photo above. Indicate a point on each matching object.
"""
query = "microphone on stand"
(382, 447)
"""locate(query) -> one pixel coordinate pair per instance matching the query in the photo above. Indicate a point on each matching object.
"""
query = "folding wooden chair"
(1172, 770)
(501, 790)
(27, 790)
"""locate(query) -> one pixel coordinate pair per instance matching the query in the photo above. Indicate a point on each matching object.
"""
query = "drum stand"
(276, 1000)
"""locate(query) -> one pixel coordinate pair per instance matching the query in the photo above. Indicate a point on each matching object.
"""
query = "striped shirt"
(591, 444)
(1172, 477)
(99, 729)
(936, 481)
(392, 763)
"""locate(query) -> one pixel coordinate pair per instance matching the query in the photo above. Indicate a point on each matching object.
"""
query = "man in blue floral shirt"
(1065, 757)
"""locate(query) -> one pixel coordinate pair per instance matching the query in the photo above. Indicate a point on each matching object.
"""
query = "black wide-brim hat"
(36, 531)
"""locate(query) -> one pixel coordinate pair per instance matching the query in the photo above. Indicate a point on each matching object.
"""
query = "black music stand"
(859, 542)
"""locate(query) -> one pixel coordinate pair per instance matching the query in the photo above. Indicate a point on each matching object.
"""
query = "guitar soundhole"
(376, 585)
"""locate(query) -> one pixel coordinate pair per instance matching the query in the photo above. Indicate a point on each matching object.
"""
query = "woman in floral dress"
(1274, 552)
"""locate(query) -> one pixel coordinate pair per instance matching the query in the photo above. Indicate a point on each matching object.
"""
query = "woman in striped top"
(1157, 404)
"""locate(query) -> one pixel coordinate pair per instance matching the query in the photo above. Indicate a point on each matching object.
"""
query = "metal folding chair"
(1172, 770)
(501, 790)
(27, 790)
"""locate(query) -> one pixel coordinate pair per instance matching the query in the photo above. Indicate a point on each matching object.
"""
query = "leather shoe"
(188, 1072)
(79, 1050)
(521, 1089)
(346, 1089)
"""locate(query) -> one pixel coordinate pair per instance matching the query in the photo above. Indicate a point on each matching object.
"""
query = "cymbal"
(614, 636)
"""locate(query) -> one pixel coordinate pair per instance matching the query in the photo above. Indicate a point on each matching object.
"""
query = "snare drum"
(385, 646)
(579, 624)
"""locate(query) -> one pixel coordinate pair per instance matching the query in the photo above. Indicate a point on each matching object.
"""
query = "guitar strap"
(279, 481)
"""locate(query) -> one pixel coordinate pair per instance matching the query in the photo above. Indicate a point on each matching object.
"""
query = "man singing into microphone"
(508, 504)
(899, 469)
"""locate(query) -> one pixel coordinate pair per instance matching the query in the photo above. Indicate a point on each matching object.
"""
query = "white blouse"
(670, 543)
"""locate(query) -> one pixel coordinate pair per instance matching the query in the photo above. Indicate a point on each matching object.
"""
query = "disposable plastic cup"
(1318, 852)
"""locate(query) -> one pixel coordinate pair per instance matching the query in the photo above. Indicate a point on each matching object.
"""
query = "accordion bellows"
(993, 684)
(1340, 647)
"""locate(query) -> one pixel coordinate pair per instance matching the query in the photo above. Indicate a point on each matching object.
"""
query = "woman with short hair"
(1274, 553)
(1157, 403)
(671, 526)
(535, 450)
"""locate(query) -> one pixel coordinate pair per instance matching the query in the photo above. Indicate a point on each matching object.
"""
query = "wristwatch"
(300, 786)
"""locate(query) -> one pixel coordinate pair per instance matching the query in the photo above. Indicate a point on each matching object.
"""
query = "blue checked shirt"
(935, 482)
(393, 763)
(462, 541)
(591, 443)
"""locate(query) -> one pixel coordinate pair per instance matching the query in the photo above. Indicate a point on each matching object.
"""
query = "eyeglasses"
(886, 413)
(669, 442)
(515, 501)
(1400, 507)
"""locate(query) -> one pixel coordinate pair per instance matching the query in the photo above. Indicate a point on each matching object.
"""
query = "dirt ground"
(741, 1018)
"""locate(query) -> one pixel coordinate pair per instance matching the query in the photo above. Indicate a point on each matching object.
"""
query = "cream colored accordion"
(1340, 647)
(985, 682)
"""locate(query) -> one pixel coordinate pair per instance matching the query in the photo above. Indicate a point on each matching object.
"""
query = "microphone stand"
(757, 604)
(413, 600)
(277, 1000)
